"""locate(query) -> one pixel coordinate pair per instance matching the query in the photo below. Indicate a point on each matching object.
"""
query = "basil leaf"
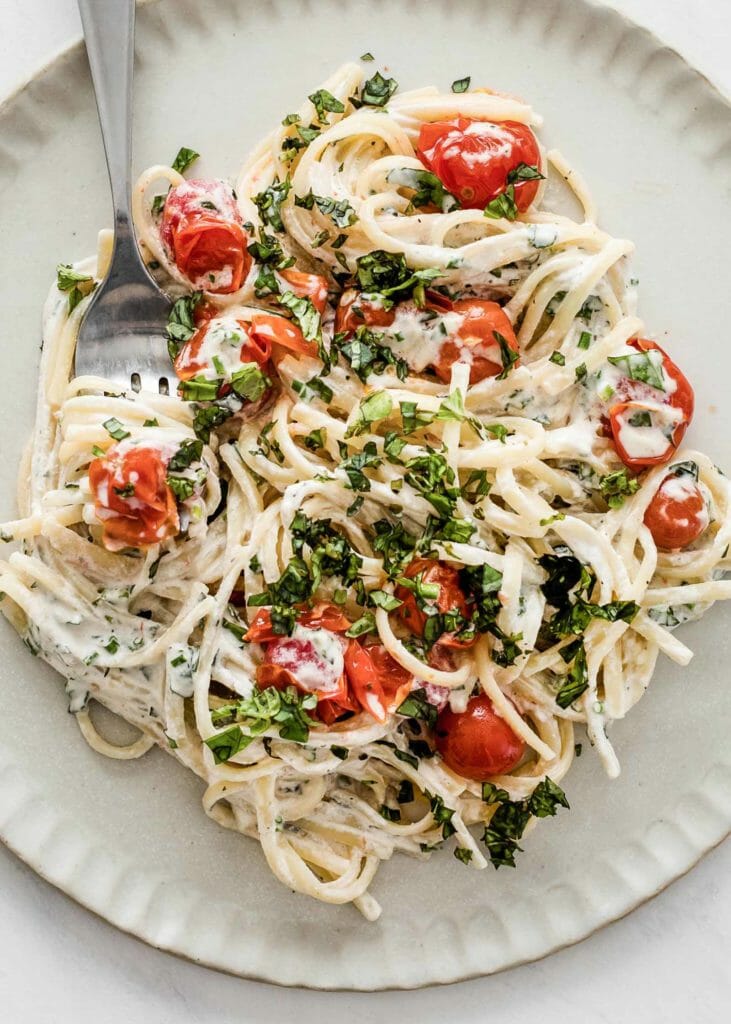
(184, 158)
(115, 429)
(324, 102)
(377, 91)
(461, 84)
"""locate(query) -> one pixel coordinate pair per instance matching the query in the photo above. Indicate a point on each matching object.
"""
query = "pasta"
(419, 508)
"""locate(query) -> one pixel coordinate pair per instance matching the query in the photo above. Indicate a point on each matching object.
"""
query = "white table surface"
(667, 962)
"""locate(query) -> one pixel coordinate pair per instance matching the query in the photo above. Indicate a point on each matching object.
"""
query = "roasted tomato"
(473, 159)
(377, 681)
(268, 328)
(202, 231)
(477, 743)
(450, 598)
(345, 675)
(647, 423)
(677, 514)
(226, 339)
(476, 341)
(132, 499)
(358, 310)
(307, 286)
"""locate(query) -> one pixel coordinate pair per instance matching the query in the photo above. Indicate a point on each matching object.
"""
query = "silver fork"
(122, 335)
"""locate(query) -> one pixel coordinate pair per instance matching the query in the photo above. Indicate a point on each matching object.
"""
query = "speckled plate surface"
(130, 840)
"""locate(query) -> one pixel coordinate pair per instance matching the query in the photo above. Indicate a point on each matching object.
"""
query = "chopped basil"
(315, 387)
(416, 705)
(461, 84)
(324, 102)
(508, 356)
(340, 212)
(269, 203)
(377, 91)
(581, 372)
(375, 407)
(315, 440)
(428, 189)
(365, 624)
(577, 681)
(263, 710)
(617, 486)
(503, 205)
(181, 323)
(340, 752)
(367, 56)
(510, 819)
(78, 285)
(115, 429)
(584, 340)
(558, 358)
(365, 354)
(463, 854)
(184, 158)
(640, 366)
(382, 599)
(524, 172)
(189, 452)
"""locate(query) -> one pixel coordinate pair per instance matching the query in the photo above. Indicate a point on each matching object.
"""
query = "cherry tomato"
(473, 159)
(451, 598)
(189, 362)
(636, 397)
(202, 230)
(132, 498)
(321, 616)
(377, 681)
(307, 286)
(475, 340)
(268, 328)
(357, 310)
(477, 743)
(677, 514)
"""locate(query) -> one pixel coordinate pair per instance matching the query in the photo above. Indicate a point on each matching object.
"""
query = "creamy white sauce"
(222, 341)
(417, 335)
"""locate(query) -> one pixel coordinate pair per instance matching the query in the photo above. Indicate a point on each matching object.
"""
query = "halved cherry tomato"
(321, 616)
(451, 598)
(473, 159)
(277, 330)
(476, 340)
(307, 286)
(132, 498)
(356, 310)
(477, 743)
(376, 680)
(635, 396)
(188, 362)
(203, 232)
(677, 514)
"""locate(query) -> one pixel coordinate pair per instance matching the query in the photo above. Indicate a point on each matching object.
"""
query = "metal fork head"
(122, 336)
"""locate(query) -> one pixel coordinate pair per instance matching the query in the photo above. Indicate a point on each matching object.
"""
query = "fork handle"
(109, 27)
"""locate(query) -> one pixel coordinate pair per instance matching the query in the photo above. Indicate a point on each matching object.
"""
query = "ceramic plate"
(130, 840)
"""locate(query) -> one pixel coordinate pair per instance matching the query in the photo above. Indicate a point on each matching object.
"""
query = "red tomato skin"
(321, 616)
(203, 241)
(356, 310)
(482, 319)
(148, 517)
(473, 158)
(450, 597)
(682, 398)
(307, 286)
(675, 522)
(477, 743)
(377, 681)
(268, 328)
(187, 366)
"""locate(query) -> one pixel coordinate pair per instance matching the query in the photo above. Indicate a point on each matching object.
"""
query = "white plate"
(129, 840)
